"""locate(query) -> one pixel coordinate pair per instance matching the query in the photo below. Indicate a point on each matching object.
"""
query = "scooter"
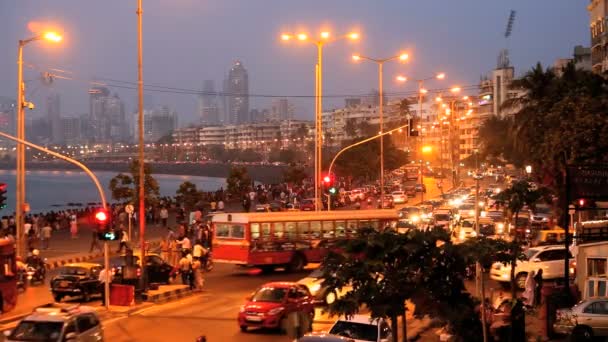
(36, 273)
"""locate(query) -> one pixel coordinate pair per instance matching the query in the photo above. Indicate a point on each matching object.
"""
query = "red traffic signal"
(326, 179)
(101, 217)
(581, 202)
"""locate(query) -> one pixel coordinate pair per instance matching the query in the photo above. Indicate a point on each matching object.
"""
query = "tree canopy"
(125, 187)
(238, 180)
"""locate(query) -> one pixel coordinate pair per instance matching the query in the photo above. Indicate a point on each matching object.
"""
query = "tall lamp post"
(21, 104)
(380, 62)
(424, 150)
(325, 39)
(141, 171)
(421, 91)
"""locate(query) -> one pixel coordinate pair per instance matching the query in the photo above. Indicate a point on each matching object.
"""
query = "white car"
(465, 231)
(362, 328)
(548, 258)
(399, 197)
(314, 283)
(357, 195)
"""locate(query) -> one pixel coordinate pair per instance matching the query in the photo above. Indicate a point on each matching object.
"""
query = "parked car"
(77, 280)
(158, 270)
(584, 321)
(307, 204)
(271, 303)
(58, 322)
(387, 203)
(399, 197)
(548, 258)
(362, 328)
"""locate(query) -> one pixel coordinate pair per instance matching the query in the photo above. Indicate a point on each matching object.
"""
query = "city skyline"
(172, 59)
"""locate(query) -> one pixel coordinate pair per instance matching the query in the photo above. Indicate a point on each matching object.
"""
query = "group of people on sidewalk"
(190, 259)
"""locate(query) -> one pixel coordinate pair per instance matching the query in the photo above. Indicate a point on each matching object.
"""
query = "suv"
(77, 279)
(548, 258)
(56, 322)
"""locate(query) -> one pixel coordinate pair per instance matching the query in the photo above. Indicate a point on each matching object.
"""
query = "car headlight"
(481, 203)
(474, 234)
(545, 219)
(242, 309)
(415, 218)
(462, 235)
(315, 288)
(275, 311)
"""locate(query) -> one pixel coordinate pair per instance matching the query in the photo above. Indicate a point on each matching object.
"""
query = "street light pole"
(20, 151)
(331, 165)
(380, 62)
(141, 194)
(381, 114)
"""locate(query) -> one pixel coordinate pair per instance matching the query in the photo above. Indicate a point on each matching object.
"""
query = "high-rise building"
(107, 116)
(238, 94)
(71, 130)
(281, 110)
(8, 113)
(158, 123)
(598, 17)
(208, 108)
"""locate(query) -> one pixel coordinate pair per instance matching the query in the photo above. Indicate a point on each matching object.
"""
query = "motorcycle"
(36, 273)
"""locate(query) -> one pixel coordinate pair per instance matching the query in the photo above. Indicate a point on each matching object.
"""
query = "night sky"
(187, 41)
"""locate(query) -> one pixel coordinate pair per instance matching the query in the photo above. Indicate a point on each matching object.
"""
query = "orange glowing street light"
(324, 38)
(455, 89)
(52, 36)
(440, 76)
(427, 149)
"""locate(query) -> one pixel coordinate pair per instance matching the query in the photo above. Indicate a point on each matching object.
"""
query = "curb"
(170, 295)
(59, 262)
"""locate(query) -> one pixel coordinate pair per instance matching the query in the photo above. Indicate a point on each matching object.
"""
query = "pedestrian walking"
(74, 226)
(104, 277)
(529, 289)
(173, 253)
(197, 270)
(95, 241)
(164, 216)
(124, 241)
(45, 235)
(538, 278)
(164, 249)
(185, 265)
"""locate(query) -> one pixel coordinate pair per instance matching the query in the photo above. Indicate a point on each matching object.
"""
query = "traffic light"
(584, 203)
(326, 180)
(3, 187)
(105, 231)
(333, 190)
(413, 132)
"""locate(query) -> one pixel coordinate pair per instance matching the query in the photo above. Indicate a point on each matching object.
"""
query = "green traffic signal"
(333, 191)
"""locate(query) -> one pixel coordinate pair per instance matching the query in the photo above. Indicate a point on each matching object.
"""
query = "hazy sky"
(187, 41)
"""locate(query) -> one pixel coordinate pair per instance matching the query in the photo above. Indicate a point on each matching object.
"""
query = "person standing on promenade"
(45, 234)
(164, 249)
(95, 241)
(164, 216)
(74, 226)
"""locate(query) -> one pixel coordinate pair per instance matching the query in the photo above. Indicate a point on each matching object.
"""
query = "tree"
(188, 195)
(166, 139)
(126, 187)
(366, 129)
(238, 180)
(384, 269)
(519, 195)
(295, 174)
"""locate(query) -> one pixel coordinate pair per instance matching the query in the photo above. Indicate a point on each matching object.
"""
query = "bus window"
(237, 231)
(351, 229)
(364, 224)
(255, 231)
(328, 230)
(315, 227)
(303, 232)
(222, 230)
(290, 229)
(340, 228)
(265, 231)
(279, 232)
(375, 224)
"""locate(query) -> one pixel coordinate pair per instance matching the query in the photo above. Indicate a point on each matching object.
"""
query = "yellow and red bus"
(288, 239)
(8, 274)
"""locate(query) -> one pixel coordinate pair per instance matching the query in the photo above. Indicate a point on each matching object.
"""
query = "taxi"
(58, 322)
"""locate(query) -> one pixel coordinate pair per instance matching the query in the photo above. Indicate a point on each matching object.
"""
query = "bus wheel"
(297, 263)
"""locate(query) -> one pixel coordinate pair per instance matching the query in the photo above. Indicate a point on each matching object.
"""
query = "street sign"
(129, 209)
(589, 182)
(571, 210)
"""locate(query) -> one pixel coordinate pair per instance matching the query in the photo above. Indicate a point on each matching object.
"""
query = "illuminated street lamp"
(21, 104)
(380, 62)
(325, 38)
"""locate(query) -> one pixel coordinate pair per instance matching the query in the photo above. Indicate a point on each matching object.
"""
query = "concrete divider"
(169, 293)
